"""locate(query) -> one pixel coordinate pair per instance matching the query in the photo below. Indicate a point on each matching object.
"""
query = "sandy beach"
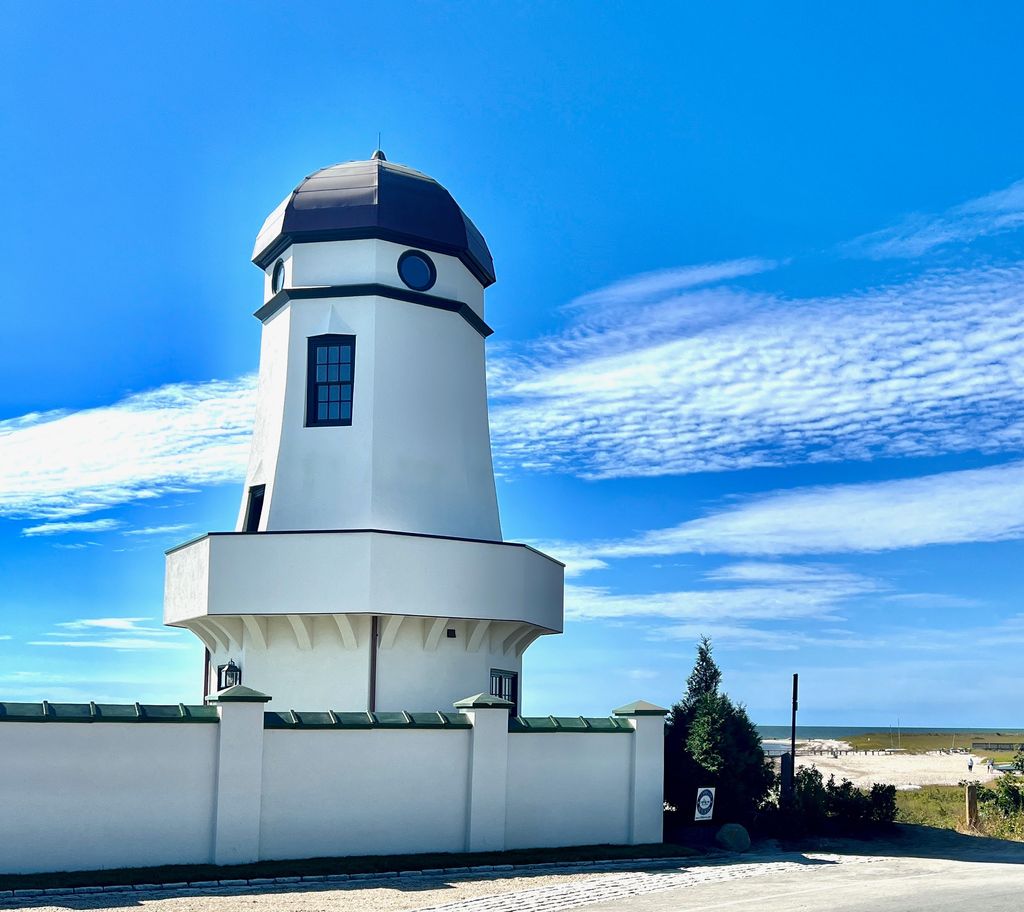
(905, 771)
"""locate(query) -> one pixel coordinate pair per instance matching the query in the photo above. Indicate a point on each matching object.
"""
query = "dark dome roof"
(375, 199)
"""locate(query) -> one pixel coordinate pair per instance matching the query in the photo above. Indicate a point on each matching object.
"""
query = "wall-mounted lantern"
(228, 675)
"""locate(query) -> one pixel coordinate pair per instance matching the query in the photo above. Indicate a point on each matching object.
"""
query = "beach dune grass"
(933, 805)
(944, 806)
(921, 742)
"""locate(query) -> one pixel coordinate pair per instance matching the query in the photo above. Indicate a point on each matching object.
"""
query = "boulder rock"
(733, 837)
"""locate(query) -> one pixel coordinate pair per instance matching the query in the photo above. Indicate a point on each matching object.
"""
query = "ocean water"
(840, 732)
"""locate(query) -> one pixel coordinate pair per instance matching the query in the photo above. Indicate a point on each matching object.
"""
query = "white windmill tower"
(367, 570)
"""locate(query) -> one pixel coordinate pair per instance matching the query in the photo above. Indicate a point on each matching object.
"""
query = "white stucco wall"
(412, 678)
(268, 422)
(105, 795)
(281, 606)
(417, 455)
(363, 792)
(568, 789)
(100, 795)
(362, 573)
(327, 674)
(372, 261)
(414, 671)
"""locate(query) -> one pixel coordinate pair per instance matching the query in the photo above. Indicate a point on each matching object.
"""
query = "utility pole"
(789, 760)
(792, 733)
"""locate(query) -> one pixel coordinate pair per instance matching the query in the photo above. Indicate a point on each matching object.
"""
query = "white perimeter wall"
(568, 789)
(373, 792)
(105, 795)
(77, 796)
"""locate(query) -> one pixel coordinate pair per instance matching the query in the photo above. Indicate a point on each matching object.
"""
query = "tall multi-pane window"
(505, 684)
(329, 384)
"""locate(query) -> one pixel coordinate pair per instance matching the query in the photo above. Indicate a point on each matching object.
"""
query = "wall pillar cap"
(483, 701)
(640, 708)
(238, 694)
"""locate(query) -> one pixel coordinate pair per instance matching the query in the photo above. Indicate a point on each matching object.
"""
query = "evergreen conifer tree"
(710, 741)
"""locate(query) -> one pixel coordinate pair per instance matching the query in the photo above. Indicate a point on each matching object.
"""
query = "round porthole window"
(417, 270)
(277, 279)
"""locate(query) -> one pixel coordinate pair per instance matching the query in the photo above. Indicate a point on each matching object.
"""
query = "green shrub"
(829, 807)
(710, 741)
(883, 804)
(1008, 795)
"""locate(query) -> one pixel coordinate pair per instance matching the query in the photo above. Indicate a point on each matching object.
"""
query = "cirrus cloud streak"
(721, 379)
(948, 508)
(58, 465)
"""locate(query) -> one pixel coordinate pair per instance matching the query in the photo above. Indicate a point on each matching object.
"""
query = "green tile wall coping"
(295, 720)
(331, 719)
(568, 724)
(299, 720)
(105, 712)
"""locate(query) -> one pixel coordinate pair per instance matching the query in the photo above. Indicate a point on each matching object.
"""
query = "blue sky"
(759, 336)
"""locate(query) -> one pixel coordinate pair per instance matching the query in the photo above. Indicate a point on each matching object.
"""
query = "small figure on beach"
(970, 764)
(991, 765)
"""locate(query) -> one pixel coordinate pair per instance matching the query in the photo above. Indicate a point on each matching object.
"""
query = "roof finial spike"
(379, 154)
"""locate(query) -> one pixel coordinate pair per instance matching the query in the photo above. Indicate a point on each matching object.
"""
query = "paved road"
(900, 884)
(921, 872)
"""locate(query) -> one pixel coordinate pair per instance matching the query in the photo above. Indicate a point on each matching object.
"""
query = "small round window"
(417, 270)
(277, 279)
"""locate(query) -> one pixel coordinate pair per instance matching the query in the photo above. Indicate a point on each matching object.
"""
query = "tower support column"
(236, 829)
(488, 771)
(646, 798)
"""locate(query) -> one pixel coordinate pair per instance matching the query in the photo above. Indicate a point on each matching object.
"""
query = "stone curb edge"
(199, 885)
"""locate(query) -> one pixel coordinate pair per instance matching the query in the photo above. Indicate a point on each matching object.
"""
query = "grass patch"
(355, 864)
(934, 805)
(921, 742)
(944, 806)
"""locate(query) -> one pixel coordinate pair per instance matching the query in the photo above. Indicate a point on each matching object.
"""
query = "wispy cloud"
(991, 214)
(158, 530)
(63, 528)
(128, 634)
(972, 505)
(118, 623)
(800, 596)
(722, 379)
(709, 378)
(775, 606)
(894, 637)
(743, 636)
(57, 465)
(641, 674)
(656, 285)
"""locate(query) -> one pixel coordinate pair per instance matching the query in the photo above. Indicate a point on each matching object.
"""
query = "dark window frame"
(254, 508)
(313, 385)
(432, 269)
(277, 277)
(501, 677)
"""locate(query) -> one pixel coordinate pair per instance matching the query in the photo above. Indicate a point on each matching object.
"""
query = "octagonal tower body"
(367, 569)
